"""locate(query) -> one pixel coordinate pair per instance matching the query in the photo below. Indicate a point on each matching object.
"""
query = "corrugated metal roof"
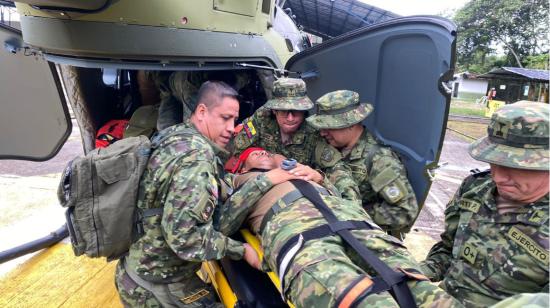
(330, 18)
(528, 72)
(517, 73)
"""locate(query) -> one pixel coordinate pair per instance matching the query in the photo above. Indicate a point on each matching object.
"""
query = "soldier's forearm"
(396, 217)
(237, 207)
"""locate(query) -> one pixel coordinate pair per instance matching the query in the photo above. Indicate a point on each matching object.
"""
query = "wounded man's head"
(254, 158)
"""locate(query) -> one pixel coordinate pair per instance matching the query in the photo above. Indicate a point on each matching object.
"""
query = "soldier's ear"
(200, 111)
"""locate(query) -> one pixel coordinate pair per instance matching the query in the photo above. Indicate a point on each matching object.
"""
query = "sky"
(417, 7)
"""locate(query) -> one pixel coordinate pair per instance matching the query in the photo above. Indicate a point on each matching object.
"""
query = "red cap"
(243, 157)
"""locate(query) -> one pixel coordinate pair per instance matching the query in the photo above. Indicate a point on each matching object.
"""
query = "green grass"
(466, 108)
(467, 111)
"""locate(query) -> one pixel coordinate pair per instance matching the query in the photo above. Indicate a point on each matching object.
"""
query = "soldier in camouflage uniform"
(279, 125)
(183, 180)
(323, 271)
(495, 242)
(378, 177)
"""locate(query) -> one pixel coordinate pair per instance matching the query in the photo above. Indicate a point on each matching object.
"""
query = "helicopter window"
(266, 6)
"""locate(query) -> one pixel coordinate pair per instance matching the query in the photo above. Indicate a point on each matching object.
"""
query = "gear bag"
(100, 192)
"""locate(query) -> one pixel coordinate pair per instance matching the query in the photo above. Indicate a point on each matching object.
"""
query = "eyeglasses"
(285, 113)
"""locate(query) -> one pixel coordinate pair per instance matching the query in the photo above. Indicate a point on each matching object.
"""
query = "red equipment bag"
(110, 132)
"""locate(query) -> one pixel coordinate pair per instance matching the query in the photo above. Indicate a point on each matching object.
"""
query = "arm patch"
(326, 155)
(384, 178)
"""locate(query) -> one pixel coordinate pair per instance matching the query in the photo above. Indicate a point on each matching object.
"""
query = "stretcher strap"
(396, 280)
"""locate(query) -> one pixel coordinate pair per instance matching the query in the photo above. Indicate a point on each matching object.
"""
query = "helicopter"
(86, 56)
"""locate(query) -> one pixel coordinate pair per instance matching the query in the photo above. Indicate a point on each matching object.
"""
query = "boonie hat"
(289, 94)
(517, 137)
(339, 109)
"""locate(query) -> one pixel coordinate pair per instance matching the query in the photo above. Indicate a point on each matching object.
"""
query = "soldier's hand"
(251, 257)
(278, 176)
(307, 173)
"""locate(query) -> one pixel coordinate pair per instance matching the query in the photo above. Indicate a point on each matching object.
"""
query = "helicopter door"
(400, 67)
(34, 120)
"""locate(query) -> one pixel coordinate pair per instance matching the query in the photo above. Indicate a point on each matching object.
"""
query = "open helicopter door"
(34, 120)
(400, 67)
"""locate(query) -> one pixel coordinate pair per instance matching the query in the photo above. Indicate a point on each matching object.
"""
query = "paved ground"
(29, 207)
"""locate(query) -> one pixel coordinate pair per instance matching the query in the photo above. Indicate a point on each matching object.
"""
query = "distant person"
(491, 94)
(495, 242)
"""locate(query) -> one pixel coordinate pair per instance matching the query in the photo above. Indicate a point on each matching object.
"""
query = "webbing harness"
(387, 279)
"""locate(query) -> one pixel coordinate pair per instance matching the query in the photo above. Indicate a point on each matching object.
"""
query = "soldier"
(495, 242)
(378, 177)
(183, 179)
(322, 272)
(279, 125)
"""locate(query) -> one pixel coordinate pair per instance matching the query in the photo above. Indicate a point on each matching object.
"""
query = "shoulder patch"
(469, 205)
(326, 155)
(249, 129)
(528, 244)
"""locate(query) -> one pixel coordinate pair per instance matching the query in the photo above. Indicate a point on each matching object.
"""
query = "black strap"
(315, 233)
(398, 281)
(320, 232)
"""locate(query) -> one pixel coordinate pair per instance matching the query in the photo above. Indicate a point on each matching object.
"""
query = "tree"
(537, 61)
(520, 27)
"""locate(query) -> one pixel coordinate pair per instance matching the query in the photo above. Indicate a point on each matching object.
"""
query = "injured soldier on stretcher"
(315, 264)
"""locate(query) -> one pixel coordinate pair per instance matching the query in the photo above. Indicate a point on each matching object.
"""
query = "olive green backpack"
(100, 192)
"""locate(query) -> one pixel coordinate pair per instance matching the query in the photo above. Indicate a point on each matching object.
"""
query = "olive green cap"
(143, 121)
(289, 94)
(517, 137)
(339, 109)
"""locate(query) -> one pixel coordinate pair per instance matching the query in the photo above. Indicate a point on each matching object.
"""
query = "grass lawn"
(471, 130)
(465, 108)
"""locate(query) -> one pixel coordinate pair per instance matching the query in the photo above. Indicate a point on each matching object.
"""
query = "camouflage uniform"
(322, 270)
(262, 130)
(178, 94)
(485, 256)
(378, 177)
(182, 178)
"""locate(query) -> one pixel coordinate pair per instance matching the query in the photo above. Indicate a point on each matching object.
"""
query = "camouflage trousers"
(322, 271)
(191, 292)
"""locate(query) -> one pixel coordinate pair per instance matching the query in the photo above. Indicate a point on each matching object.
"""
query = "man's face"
(289, 120)
(218, 121)
(259, 160)
(338, 138)
(519, 184)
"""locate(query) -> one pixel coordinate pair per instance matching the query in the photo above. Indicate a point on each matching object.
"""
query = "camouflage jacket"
(374, 174)
(183, 178)
(302, 215)
(483, 256)
(262, 130)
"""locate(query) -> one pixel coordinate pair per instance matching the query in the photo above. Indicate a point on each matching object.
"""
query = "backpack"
(100, 192)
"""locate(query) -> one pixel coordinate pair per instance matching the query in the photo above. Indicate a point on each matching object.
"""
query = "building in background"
(513, 84)
(467, 86)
